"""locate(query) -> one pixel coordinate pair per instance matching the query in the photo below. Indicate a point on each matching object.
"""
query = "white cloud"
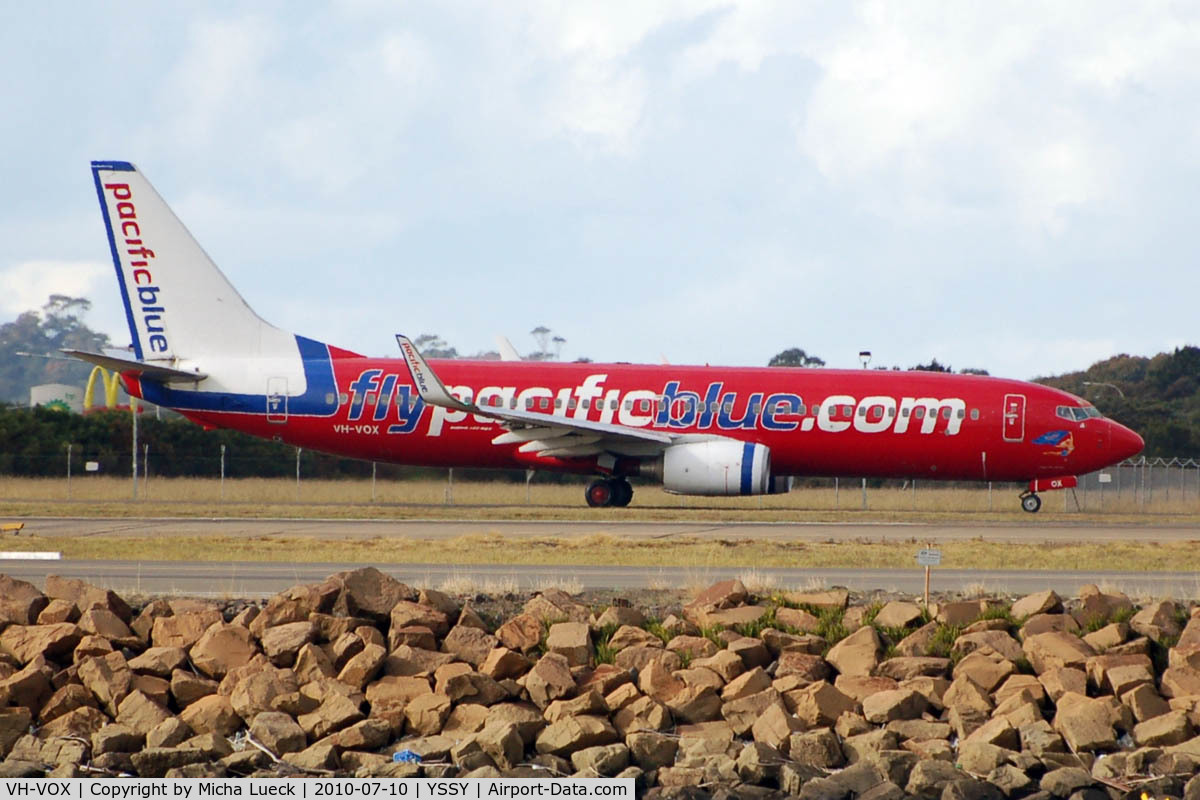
(25, 286)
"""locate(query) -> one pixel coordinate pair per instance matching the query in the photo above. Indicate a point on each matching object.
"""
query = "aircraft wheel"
(622, 492)
(599, 493)
(1031, 503)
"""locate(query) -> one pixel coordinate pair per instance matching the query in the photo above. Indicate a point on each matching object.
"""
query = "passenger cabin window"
(974, 413)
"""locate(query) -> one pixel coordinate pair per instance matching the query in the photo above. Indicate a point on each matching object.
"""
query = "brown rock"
(183, 630)
(160, 661)
(903, 668)
(797, 619)
(993, 643)
(1110, 635)
(464, 720)
(367, 734)
(999, 732)
(571, 640)
(503, 743)
(187, 688)
(470, 644)
(22, 604)
(363, 667)
(615, 617)
(68, 698)
(108, 678)
(85, 596)
(818, 748)
(725, 594)
(104, 623)
(1174, 727)
(140, 713)
(918, 642)
(80, 723)
(775, 726)
(898, 614)
(860, 688)
(884, 707)
(282, 642)
(367, 592)
(694, 646)
(555, 605)
(832, 598)
(575, 733)
(807, 667)
(651, 749)
(629, 636)
(642, 714)
(406, 614)
(154, 762)
(522, 633)
(751, 651)
(857, 654)
(320, 756)
(171, 732)
(589, 702)
(26, 642)
(1058, 682)
(527, 717)
(504, 663)
(313, 663)
(962, 612)
(1180, 681)
(1085, 724)
(427, 713)
(742, 712)
(966, 694)
(819, 704)
(29, 687)
(1145, 702)
(549, 680)
(1044, 602)
(212, 714)
(638, 657)
(746, 684)
(695, 704)
(989, 671)
(727, 617)
(658, 682)
(114, 738)
(1056, 649)
(258, 691)
(55, 611)
(1047, 623)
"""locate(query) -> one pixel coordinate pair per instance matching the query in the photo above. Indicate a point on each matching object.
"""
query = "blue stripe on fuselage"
(315, 402)
(747, 466)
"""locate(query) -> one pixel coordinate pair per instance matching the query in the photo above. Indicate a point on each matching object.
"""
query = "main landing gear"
(610, 492)
(1030, 502)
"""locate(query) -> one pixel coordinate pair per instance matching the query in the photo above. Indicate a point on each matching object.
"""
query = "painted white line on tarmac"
(42, 555)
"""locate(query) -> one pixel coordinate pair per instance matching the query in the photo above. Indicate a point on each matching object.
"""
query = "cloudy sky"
(1011, 186)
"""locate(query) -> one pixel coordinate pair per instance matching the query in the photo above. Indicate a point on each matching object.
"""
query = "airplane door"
(1014, 417)
(276, 399)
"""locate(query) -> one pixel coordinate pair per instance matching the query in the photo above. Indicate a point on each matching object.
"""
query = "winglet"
(428, 384)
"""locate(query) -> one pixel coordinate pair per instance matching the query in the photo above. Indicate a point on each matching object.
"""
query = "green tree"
(59, 324)
(795, 357)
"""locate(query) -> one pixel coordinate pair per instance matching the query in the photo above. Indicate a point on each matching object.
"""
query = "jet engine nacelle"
(719, 468)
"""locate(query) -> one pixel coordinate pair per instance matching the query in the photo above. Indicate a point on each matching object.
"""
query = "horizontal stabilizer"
(153, 371)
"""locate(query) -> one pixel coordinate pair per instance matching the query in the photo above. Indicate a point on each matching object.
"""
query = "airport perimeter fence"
(1139, 485)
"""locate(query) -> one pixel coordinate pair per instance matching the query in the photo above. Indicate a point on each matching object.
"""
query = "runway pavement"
(1030, 531)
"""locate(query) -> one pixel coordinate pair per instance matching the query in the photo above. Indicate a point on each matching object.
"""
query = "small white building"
(57, 395)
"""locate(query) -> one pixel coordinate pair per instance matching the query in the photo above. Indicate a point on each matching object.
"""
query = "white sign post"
(928, 558)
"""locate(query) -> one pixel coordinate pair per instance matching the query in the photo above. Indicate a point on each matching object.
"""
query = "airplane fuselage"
(869, 423)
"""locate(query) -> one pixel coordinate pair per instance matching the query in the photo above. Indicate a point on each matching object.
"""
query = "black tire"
(622, 492)
(599, 494)
(1031, 503)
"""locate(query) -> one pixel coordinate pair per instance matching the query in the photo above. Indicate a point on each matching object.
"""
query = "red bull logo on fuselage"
(377, 401)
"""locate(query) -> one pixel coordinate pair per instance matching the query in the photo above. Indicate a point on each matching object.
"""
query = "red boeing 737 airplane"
(199, 349)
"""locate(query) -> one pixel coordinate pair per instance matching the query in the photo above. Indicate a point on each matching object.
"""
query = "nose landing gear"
(611, 492)
(1031, 502)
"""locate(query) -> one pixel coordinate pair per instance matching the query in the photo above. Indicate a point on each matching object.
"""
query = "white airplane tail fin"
(180, 307)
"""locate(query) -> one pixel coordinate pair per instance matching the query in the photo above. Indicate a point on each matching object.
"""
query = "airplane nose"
(1125, 443)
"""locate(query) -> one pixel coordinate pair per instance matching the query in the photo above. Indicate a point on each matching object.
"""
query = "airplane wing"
(154, 371)
(547, 435)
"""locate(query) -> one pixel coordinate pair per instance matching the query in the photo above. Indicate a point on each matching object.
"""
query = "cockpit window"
(1077, 413)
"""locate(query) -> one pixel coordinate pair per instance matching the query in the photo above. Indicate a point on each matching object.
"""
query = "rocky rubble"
(798, 694)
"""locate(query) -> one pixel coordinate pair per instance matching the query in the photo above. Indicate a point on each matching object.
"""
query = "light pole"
(1112, 386)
